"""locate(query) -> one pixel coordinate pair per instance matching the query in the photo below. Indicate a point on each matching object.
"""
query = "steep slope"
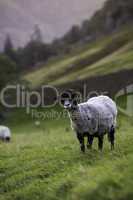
(112, 16)
(108, 55)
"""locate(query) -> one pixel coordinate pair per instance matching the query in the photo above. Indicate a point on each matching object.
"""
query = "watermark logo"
(18, 96)
(24, 98)
(124, 100)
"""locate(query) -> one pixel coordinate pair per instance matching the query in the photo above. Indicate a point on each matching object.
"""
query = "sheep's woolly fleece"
(4, 132)
(98, 114)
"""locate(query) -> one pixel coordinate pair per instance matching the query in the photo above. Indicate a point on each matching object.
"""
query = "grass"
(107, 55)
(45, 162)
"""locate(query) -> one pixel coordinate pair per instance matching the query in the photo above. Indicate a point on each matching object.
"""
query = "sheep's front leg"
(81, 141)
(90, 141)
(100, 142)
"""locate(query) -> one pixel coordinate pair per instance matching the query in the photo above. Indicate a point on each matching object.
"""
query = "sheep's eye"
(88, 118)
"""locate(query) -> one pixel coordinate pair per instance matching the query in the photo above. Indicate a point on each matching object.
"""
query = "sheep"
(94, 118)
(5, 134)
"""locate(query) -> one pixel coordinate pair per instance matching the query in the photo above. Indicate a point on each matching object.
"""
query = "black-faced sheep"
(94, 118)
(5, 134)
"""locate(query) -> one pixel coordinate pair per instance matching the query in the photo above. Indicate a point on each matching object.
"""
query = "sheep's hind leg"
(112, 137)
(90, 141)
(81, 141)
(100, 142)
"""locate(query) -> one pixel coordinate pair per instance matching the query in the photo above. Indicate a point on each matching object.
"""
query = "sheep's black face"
(69, 99)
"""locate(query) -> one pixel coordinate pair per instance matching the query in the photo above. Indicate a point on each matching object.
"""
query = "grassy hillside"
(45, 162)
(107, 55)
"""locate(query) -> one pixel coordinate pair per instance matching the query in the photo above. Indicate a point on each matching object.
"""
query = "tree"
(8, 46)
(32, 52)
(35, 51)
(37, 34)
(8, 74)
(8, 71)
(73, 36)
(9, 49)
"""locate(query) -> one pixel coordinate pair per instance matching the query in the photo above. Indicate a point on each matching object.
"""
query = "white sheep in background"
(94, 118)
(5, 134)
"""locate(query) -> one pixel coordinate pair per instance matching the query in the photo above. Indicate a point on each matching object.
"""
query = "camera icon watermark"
(124, 100)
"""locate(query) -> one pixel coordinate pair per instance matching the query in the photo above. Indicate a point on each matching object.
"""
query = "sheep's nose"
(67, 105)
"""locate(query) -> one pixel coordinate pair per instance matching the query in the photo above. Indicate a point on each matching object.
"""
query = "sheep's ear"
(62, 100)
(75, 102)
(76, 96)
